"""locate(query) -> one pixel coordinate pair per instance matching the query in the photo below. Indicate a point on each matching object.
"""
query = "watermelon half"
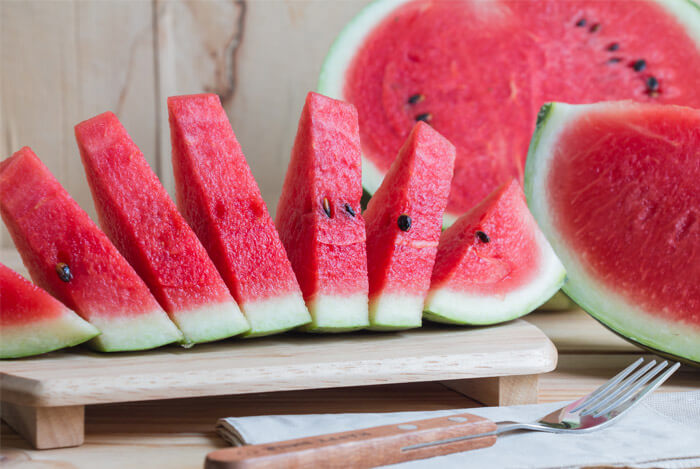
(221, 201)
(615, 188)
(142, 221)
(478, 72)
(34, 322)
(493, 264)
(318, 216)
(67, 255)
(403, 222)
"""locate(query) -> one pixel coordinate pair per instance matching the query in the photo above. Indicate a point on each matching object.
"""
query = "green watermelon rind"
(342, 51)
(44, 336)
(145, 331)
(599, 301)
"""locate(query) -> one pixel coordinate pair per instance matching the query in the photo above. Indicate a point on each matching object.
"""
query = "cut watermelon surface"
(34, 322)
(142, 221)
(220, 199)
(67, 255)
(403, 222)
(478, 72)
(614, 187)
(493, 264)
(318, 216)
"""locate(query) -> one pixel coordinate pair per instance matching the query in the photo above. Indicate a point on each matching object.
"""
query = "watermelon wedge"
(142, 221)
(318, 216)
(67, 255)
(464, 65)
(493, 264)
(220, 199)
(34, 322)
(614, 187)
(403, 221)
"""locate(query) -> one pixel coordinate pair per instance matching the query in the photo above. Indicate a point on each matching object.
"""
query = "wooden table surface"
(178, 433)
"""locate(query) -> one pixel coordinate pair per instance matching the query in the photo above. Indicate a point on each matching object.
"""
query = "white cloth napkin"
(661, 432)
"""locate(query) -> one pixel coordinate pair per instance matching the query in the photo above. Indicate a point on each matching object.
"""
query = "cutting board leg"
(47, 427)
(499, 391)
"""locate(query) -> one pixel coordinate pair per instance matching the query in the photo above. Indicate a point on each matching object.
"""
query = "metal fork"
(420, 439)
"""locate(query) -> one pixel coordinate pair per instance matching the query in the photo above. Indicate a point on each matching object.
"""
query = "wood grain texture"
(277, 363)
(47, 427)
(363, 448)
(499, 391)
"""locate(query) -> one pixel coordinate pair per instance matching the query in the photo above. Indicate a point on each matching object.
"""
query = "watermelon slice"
(67, 255)
(614, 187)
(220, 199)
(403, 222)
(493, 264)
(34, 322)
(319, 218)
(464, 65)
(142, 221)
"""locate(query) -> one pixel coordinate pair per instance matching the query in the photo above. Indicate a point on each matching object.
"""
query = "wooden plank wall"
(63, 61)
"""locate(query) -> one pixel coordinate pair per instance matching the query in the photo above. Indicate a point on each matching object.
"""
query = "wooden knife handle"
(369, 447)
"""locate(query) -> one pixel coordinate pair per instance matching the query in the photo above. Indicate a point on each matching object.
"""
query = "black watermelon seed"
(350, 210)
(327, 206)
(64, 272)
(416, 98)
(652, 84)
(614, 60)
(639, 65)
(581, 23)
(595, 27)
(483, 237)
(404, 222)
(613, 47)
(425, 117)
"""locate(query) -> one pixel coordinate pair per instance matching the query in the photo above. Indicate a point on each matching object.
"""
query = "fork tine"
(623, 405)
(622, 387)
(605, 387)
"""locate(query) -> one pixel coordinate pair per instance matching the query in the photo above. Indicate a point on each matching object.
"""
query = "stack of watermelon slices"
(224, 251)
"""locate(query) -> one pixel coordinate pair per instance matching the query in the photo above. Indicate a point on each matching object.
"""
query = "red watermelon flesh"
(220, 199)
(479, 71)
(55, 236)
(142, 221)
(34, 322)
(400, 255)
(319, 218)
(493, 264)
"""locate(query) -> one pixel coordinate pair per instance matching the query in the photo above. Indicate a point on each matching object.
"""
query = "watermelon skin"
(221, 201)
(493, 264)
(142, 221)
(529, 53)
(48, 227)
(33, 322)
(635, 267)
(327, 251)
(399, 263)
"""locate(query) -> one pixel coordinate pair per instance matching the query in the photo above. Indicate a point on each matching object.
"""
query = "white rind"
(338, 313)
(395, 311)
(687, 14)
(595, 297)
(134, 332)
(462, 307)
(275, 315)
(48, 335)
(211, 322)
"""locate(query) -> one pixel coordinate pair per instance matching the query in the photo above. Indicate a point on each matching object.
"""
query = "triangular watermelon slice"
(404, 221)
(67, 255)
(220, 199)
(34, 322)
(319, 219)
(142, 221)
(493, 264)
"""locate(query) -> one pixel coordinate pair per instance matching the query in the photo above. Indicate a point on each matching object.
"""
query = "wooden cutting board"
(44, 397)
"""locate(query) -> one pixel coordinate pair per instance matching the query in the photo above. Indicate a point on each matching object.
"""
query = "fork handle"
(369, 447)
